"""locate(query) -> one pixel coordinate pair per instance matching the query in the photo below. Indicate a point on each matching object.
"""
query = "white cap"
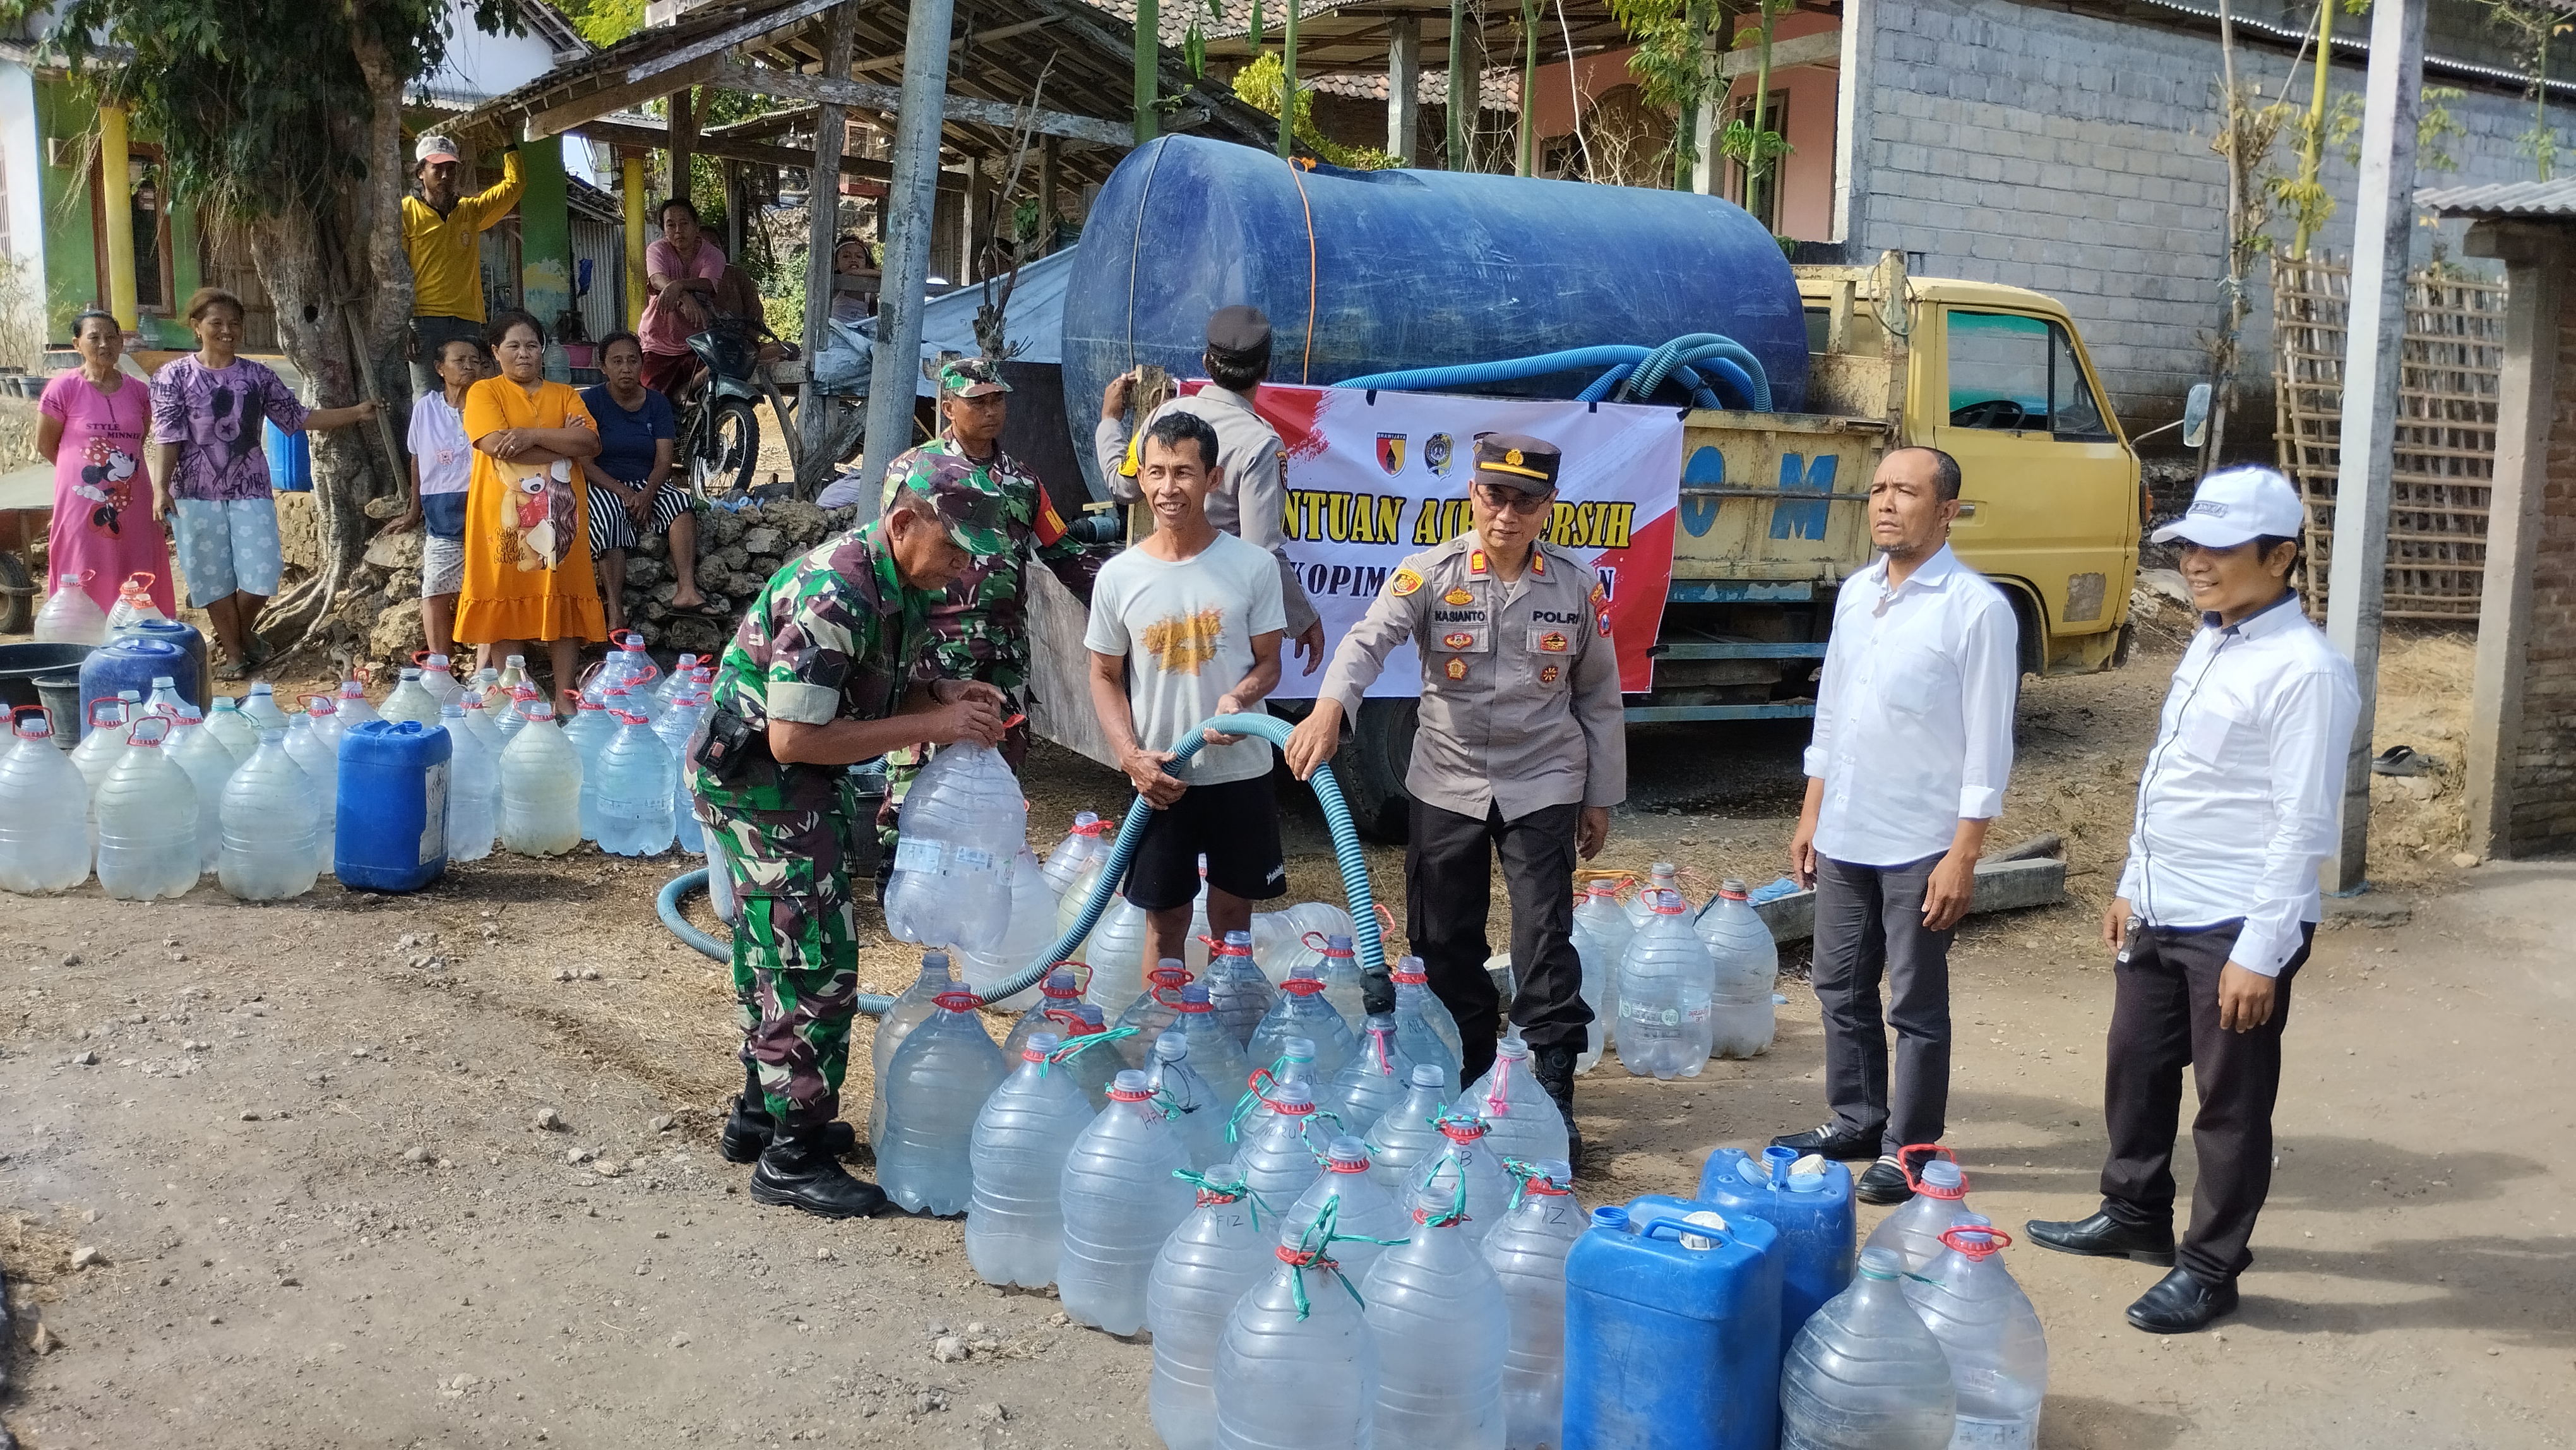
(2238, 505)
(433, 147)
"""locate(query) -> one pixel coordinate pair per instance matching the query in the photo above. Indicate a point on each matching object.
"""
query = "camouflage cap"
(971, 377)
(974, 515)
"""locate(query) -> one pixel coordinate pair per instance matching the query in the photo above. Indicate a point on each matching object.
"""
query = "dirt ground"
(275, 1176)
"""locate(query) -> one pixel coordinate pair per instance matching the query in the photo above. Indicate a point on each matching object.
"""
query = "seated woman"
(527, 525)
(630, 481)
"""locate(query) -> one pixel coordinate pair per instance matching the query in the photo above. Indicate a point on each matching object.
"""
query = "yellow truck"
(1773, 514)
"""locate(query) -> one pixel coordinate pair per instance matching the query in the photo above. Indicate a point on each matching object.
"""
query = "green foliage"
(2531, 25)
(2438, 129)
(257, 105)
(603, 22)
(1260, 85)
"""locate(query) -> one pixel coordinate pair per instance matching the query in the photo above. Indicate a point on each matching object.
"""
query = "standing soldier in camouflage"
(980, 631)
(823, 672)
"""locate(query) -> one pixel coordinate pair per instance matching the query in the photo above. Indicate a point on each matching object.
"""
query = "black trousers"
(1448, 891)
(1869, 925)
(2164, 1017)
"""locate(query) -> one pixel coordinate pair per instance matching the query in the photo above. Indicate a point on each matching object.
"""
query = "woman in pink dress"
(91, 427)
(681, 272)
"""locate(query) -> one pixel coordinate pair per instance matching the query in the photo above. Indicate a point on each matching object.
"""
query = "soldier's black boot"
(748, 1127)
(1554, 1069)
(798, 1170)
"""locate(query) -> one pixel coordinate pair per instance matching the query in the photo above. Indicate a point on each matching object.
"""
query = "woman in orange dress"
(527, 509)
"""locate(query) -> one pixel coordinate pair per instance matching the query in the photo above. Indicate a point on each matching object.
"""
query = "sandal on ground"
(2404, 760)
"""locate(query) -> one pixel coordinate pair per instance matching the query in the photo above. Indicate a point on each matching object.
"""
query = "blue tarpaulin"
(1033, 323)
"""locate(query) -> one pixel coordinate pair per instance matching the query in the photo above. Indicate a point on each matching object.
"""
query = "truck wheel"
(1371, 770)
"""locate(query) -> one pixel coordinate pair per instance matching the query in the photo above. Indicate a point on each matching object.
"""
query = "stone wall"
(2543, 803)
(2069, 153)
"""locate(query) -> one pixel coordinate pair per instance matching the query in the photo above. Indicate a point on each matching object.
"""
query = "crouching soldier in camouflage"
(821, 674)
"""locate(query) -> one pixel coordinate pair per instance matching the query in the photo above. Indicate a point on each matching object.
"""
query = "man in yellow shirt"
(442, 233)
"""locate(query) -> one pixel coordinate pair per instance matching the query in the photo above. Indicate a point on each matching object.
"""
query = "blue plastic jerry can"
(390, 828)
(1814, 1212)
(1672, 1330)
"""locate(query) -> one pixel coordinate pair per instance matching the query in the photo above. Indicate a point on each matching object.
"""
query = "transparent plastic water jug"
(1527, 1253)
(681, 680)
(1373, 1080)
(1601, 932)
(1031, 932)
(540, 786)
(1940, 1200)
(1521, 1120)
(1239, 993)
(1338, 963)
(322, 716)
(437, 678)
(1302, 1011)
(514, 716)
(1082, 845)
(208, 765)
(1058, 991)
(1423, 1026)
(44, 809)
(1217, 1255)
(353, 706)
(1015, 1221)
(1363, 1209)
(1466, 1156)
(631, 669)
(1866, 1373)
(1090, 1050)
(1121, 1200)
(165, 698)
(1213, 1051)
(514, 673)
(410, 700)
(963, 823)
(673, 727)
(1074, 899)
(1665, 983)
(147, 820)
(636, 779)
(100, 748)
(1297, 1365)
(70, 616)
(272, 818)
(1152, 1010)
(1442, 1326)
(1991, 1335)
(259, 707)
(1661, 877)
(134, 606)
(473, 784)
(227, 724)
(1406, 1136)
(1276, 945)
(1272, 1142)
(1197, 1110)
(1747, 965)
(1115, 952)
(480, 719)
(940, 1077)
(319, 759)
(588, 735)
(912, 1007)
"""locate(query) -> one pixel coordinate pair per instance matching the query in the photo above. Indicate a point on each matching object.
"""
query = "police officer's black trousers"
(1448, 888)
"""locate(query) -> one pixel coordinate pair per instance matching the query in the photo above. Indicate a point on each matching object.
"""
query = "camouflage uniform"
(834, 635)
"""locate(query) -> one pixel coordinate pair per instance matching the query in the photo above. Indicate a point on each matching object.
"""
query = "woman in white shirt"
(441, 464)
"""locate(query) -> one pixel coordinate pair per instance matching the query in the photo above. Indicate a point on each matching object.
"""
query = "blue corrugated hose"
(1328, 791)
(1646, 369)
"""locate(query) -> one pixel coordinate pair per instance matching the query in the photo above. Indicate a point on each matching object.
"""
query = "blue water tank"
(392, 812)
(1367, 271)
(196, 684)
(131, 662)
(1814, 1212)
(1672, 1345)
(290, 459)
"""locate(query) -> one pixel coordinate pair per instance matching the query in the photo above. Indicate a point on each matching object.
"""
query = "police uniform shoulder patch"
(1404, 583)
(1457, 668)
(1458, 596)
(1476, 561)
(1600, 597)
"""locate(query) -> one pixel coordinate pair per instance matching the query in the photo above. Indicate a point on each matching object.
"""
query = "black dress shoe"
(799, 1172)
(1831, 1142)
(1554, 1069)
(2105, 1237)
(1883, 1182)
(2181, 1303)
(747, 1132)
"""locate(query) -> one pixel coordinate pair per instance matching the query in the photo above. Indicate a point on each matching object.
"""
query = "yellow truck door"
(2050, 490)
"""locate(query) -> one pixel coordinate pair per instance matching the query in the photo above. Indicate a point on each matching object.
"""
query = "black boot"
(748, 1127)
(1554, 1069)
(798, 1171)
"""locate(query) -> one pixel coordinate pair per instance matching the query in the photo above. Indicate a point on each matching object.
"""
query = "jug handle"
(1905, 1164)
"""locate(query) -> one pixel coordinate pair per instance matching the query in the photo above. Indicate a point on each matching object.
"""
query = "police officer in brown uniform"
(1520, 752)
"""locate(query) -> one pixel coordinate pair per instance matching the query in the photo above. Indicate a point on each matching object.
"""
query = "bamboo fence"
(2444, 458)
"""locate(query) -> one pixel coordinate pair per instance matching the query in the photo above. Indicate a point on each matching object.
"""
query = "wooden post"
(684, 138)
(1529, 87)
(1466, 92)
(116, 204)
(630, 179)
(974, 213)
(1050, 179)
(1403, 86)
(733, 204)
(1149, 66)
(823, 214)
(896, 370)
(2383, 235)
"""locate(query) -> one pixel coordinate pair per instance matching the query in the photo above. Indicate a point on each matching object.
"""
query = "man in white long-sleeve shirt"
(1907, 766)
(2218, 902)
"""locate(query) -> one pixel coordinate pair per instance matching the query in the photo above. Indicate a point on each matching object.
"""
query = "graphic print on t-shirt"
(1181, 643)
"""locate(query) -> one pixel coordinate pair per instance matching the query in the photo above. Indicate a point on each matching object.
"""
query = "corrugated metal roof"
(2504, 198)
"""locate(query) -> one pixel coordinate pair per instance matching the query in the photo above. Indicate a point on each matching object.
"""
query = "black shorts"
(1236, 825)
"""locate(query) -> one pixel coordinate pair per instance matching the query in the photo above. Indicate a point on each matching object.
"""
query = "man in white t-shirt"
(1185, 626)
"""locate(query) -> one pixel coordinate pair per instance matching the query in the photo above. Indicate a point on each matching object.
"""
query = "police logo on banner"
(1437, 451)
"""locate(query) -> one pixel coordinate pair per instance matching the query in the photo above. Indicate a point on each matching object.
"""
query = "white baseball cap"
(2238, 505)
(433, 147)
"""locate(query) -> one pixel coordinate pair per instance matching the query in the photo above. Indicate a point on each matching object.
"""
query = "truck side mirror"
(2195, 415)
